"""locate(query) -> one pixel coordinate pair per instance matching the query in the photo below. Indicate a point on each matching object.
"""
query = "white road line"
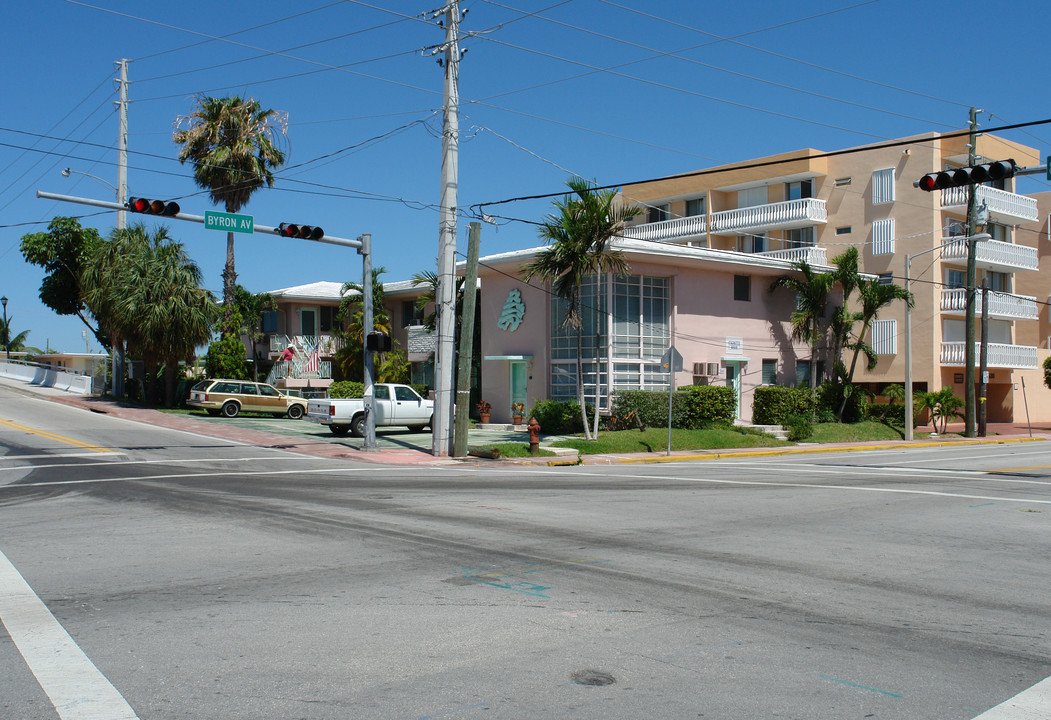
(1031, 704)
(813, 468)
(177, 476)
(72, 682)
(125, 463)
(58, 456)
(816, 486)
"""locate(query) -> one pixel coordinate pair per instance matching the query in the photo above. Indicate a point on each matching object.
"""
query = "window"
(270, 321)
(799, 190)
(999, 282)
(884, 337)
(751, 243)
(410, 314)
(998, 232)
(840, 182)
(799, 237)
(750, 197)
(803, 371)
(328, 318)
(742, 287)
(886, 278)
(843, 230)
(769, 371)
(882, 186)
(696, 206)
(883, 237)
(955, 279)
(657, 213)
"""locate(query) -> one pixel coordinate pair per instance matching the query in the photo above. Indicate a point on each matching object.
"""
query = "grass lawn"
(854, 432)
(518, 450)
(656, 440)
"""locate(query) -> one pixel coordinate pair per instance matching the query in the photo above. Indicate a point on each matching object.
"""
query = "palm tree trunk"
(850, 375)
(580, 384)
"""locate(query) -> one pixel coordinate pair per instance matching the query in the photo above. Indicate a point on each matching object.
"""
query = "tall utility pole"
(446, 295)
(972, 277)
(122, 197)
(467, 330)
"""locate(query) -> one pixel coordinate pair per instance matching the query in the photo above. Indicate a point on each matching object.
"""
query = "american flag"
(313, 362)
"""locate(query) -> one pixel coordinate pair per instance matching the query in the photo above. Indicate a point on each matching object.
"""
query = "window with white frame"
(658, 213)
(695, 206)
(882, 186)
(799, 237)
(883, 237)
(799, 190)
(883, 337)
(626, 337)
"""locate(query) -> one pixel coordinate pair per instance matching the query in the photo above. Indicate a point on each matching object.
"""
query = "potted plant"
(517, 410)
(484, 409)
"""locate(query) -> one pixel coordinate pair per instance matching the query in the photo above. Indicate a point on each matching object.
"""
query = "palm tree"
(580, 234)
(231, 144)
(251, 308)
(148, 291)
(812, 290)
(874, 296)
(16, 343)
(349, 359)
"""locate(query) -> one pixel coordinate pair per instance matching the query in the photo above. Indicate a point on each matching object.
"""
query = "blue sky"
(612, 90)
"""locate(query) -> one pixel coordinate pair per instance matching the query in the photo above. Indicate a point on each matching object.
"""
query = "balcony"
(1019, 357)
(326, 344)
(810, 255)
(1002, 306)
(1006, 207)
(759, 218)
(993, 255)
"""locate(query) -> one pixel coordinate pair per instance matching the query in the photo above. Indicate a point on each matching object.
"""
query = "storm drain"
(592, 677)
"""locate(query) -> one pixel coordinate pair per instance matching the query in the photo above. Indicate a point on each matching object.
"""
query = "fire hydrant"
(534, 436)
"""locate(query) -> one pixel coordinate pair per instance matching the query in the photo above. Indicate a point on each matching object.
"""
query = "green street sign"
(229, 222)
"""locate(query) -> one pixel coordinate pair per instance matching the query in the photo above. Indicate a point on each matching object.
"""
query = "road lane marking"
(177, 476)
(59, 456)
(1031, 704)
(72, 682)
(53, 436)
(125, 463)
(816, 486)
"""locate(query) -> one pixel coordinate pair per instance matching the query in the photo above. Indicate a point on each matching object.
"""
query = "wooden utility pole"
(463, 371)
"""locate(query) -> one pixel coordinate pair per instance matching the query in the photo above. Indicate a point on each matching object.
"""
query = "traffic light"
(307, 232)
(377, 342)
(958, 177)
(153, 207)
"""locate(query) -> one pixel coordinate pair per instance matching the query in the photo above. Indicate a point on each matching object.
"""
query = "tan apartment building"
(812, 205)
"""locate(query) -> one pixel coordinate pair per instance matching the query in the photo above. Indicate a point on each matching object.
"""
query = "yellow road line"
(53, 436)
(1019, 469)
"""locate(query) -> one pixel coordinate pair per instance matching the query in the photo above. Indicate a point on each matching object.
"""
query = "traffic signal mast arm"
(316, 233)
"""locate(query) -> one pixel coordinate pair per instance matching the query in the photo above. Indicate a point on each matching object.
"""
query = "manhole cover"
(592, 677)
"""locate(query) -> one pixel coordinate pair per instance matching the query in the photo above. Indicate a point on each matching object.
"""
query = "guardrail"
(46, 376)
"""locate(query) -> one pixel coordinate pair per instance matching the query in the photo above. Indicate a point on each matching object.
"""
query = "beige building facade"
(812, 205)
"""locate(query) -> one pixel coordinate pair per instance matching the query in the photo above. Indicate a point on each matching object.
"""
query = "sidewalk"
(998, 433)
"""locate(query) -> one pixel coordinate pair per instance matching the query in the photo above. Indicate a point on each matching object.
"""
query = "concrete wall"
(45, 377)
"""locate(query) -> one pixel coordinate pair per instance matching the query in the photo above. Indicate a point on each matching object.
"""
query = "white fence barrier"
(46, 377)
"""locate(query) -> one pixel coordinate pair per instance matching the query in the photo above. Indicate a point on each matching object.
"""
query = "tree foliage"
(62, 252)
(349, 361)
(231, 143)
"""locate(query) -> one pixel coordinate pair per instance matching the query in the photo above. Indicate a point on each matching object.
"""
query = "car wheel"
(357, 426)
(295, 411)
(213, 413)
(231, 409)
(339, 430)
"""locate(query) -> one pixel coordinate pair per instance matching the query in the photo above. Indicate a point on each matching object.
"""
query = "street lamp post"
(7, 330)
(908, 326)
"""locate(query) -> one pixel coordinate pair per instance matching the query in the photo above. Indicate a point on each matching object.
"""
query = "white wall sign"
(734, 346)
(513, 312)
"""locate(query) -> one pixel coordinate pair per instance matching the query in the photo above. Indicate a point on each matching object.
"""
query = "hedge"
(774, 405)
(693, 407)
(346, 389)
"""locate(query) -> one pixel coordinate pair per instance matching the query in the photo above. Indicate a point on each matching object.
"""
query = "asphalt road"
(200, 578)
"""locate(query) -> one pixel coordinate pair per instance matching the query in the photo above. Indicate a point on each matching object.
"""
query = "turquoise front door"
(733, 380)
(519, 380)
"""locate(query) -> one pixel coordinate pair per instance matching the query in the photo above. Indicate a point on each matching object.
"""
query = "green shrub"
(890, 413)
(773, 405)
(830, 395)
(693, 407)
(226, 359)
(346, 389)
(559, 417)
(799, 427)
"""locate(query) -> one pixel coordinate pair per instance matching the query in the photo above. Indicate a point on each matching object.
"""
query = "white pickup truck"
(394, 405)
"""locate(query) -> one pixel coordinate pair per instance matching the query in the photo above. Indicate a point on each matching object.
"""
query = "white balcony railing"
(326, 344)
(1022, 357)
(759, 218)
(1002, 306)
(993, 254)
(810, 255)
(677, 230)
(774, 216)
(1001, 203)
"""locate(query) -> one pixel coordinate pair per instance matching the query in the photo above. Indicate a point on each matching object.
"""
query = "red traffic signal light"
(960, 177)
(307, 232)
(153, 207)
